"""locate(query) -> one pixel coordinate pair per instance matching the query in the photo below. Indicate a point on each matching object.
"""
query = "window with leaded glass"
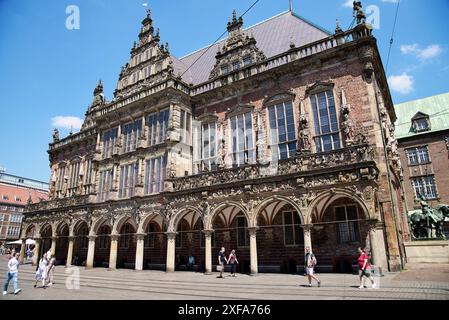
(109, 141)
(282, 129)
(348, 226)
(418, 155)
(425, 186)
(243, 150)
(242, 232)
(236, 65)
(105, 185)
(128, 179)
(151, 235)
(157, 127)
(293, 234)
(131, 135)
(206, 154)
(155, 174)
(186, 127)
(326, 124)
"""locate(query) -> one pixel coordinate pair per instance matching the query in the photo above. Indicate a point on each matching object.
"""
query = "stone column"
(208, 253)
(171, 247)
(307, 231)
(70, 252)
(37, 246)
(90, 252)
(53, 245)
(113, 252)
(253, 250)
(139, 251)
(377, 246)
(22, 251)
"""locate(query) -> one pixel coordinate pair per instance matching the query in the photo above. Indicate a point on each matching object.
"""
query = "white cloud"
(402, 83)
(431, 51)
(74, 123)
(348, 4)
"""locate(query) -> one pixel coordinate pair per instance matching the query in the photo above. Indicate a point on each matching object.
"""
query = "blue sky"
(48, 71)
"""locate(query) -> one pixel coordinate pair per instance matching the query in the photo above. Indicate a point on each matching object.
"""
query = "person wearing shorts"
(365, 269)
(309, 265)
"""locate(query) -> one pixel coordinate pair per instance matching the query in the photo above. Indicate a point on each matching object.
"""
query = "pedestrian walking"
(221, 262)
(232, 260)
(13, 274)
(41, 272)
(51, 270)
(309, 265)
(365, 269)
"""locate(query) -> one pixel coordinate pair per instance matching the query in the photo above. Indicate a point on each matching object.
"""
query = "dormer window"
(224, 69)
(247, 61)
(235, 65)
(421, 122)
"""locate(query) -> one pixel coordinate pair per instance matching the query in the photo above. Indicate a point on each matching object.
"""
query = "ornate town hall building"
(279, 137)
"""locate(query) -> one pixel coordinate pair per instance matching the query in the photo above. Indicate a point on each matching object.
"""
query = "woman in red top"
(365, 268)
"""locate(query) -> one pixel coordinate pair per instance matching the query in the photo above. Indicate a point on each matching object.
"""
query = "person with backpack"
(365, 269)
(309, 265)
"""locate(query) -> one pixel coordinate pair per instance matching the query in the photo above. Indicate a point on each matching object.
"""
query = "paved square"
(421, 282)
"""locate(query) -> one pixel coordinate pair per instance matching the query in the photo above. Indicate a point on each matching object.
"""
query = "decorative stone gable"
(240, 50)
(150, 62)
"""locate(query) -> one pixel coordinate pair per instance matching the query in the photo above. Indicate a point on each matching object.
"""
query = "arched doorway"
(62, 244)
(231, 232)
(155, 248)
(80, 244)
(102, 246)
(46, 237)
(280, 238)
(340, 227)
(126, 251)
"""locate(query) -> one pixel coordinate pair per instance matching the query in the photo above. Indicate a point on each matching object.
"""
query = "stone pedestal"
(377, 247)
(427, 251)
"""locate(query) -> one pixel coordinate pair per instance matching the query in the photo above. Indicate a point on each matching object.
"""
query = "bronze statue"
(358, 12)
(428, 222)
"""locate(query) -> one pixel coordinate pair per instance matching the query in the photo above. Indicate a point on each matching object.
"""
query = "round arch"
(222, 206)
(275, 199)
(148, 218)
(121, 221)
(325, 199)
(173, 224)
(99, 222)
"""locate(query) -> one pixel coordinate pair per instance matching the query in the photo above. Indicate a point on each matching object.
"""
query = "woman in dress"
(51, 270)
(41, 273)
(233, 262)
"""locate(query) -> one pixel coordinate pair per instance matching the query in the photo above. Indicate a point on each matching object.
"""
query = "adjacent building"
(422, 130)
(279, 137)
(15, 193)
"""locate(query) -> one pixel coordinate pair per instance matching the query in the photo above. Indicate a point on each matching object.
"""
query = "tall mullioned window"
(243, 150)
(242, 232)
(109, 141)
(157, 127)
(105, 186)
(74, 176)
(186, 127)
(292, 230)
(155, 174)
(205, 155)
(282, 129)
(131, 135)
(326, 124)
(128, 179)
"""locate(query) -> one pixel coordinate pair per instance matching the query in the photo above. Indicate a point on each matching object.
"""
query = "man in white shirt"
(13, 274)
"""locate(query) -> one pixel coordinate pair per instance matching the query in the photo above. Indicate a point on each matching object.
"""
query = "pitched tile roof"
(273, 37)
(436, 107)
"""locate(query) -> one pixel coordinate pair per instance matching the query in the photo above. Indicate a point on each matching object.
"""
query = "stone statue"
(55, 135)
(428, 222)
(358, 12)
(348, 129)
